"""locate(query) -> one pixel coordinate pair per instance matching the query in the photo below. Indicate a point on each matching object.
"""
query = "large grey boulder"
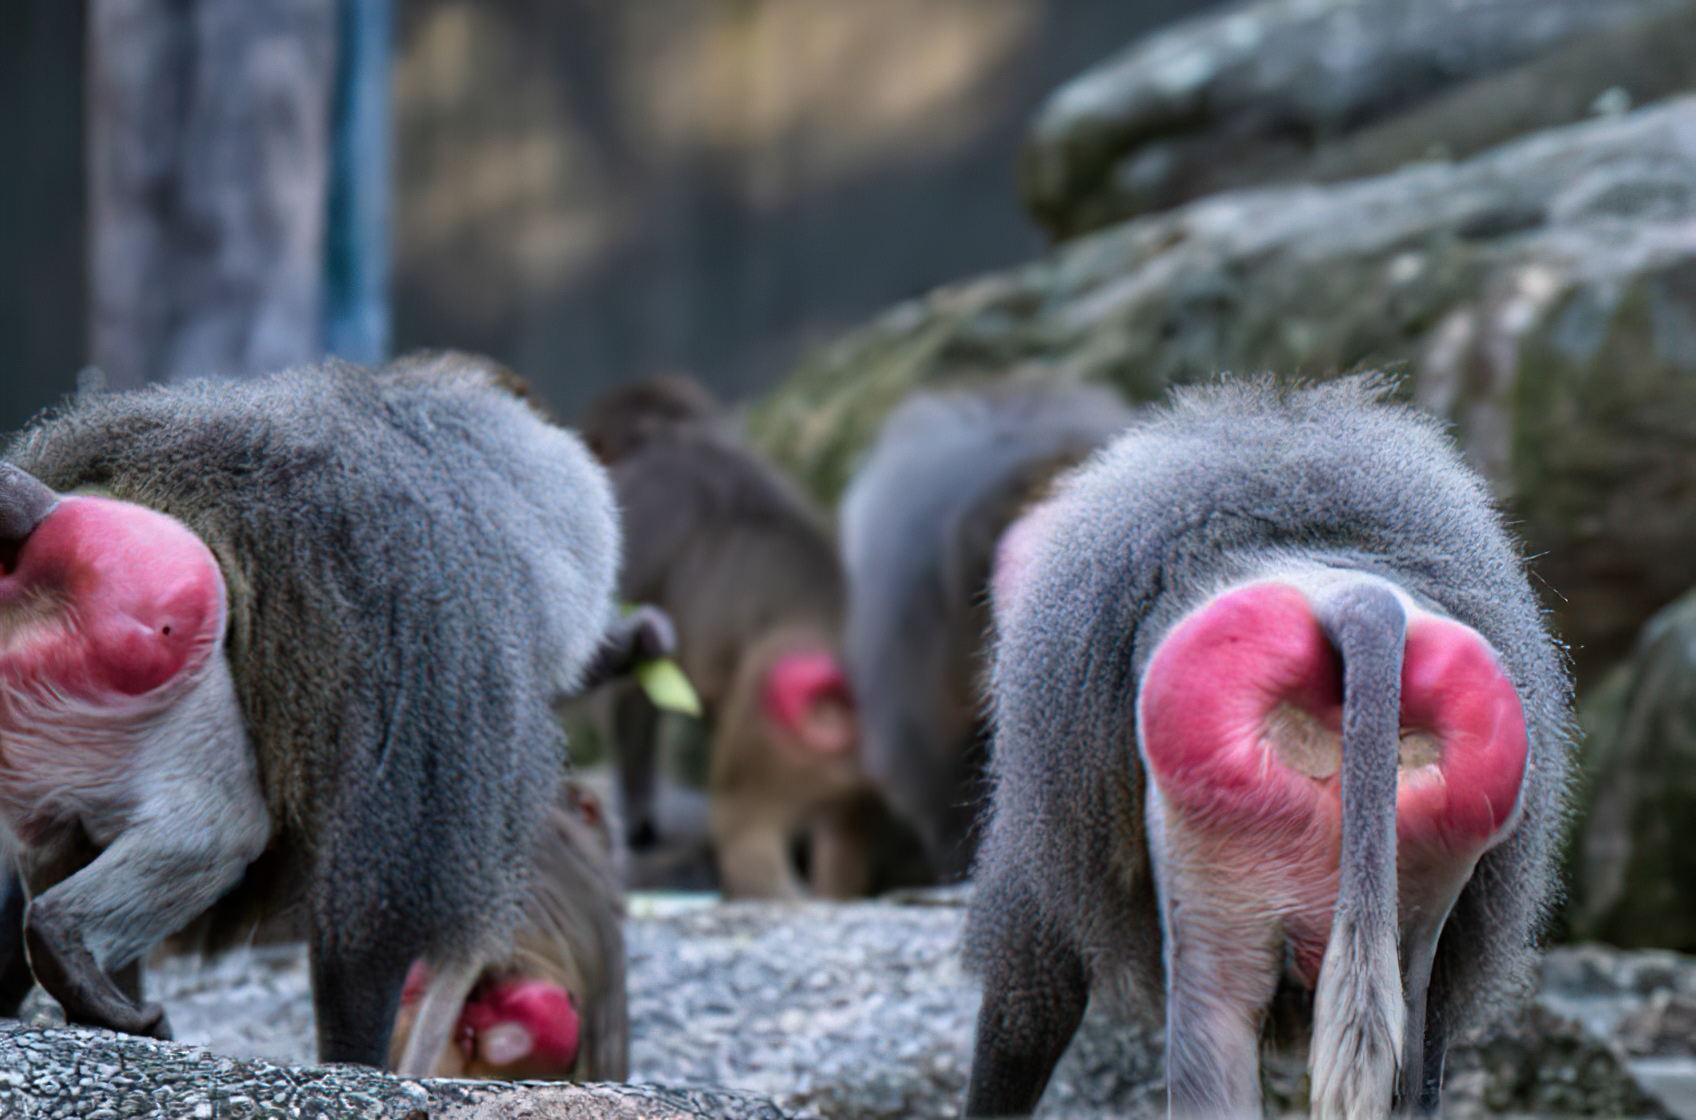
(854, 1011)
(1633, 854)
(1323, 90)
(1541, 295)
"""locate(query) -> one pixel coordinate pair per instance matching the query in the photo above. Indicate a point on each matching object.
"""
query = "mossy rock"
(1633, 856)
(1539, 296)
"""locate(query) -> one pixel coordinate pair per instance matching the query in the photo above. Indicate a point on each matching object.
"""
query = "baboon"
(746, 570)
(1271, 698)
(316, 622)
(919, 526)
(555, 1006)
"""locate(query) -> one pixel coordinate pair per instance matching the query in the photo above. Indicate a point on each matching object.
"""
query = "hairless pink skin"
(119, 719)
(106, 598)
(1015, 551)
(1217, 700)
(507, 1023)
(1454, 689)
(417, 979)
(513, 1028)
(806, 693)
(108, 613)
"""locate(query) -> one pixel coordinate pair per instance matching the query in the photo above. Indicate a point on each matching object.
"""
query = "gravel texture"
(863, 1010)
(100, 1075)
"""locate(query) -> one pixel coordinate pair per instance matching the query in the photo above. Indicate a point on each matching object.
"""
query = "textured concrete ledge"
(99, 1075)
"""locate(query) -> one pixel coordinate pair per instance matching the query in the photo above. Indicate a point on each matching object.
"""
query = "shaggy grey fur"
(1225, 484)
(418, 568)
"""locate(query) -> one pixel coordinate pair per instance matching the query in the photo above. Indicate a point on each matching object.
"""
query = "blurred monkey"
(919, 526)
(747, 572)
(555, 1006)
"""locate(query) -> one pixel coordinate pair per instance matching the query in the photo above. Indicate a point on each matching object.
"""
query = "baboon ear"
(24, 501)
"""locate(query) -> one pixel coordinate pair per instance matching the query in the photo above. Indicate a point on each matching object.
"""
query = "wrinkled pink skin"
(1233, 805)
(108, 613)
(106, 598)
(120, 727)
(513, 1029)
(806, 694)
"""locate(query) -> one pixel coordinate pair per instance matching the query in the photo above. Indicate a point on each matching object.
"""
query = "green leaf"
(667, 687)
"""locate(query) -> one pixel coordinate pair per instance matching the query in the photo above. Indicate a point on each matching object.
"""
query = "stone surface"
(1539, 295)
(98, 1075)
(1324, 90)
(845, 1011)
(1634, 852)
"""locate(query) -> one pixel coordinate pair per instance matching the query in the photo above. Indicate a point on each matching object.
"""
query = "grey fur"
(573, 936)
(417, 568)
(576, 917)
(703, 518)
(919, 525)
(24, 501)
(1360, 1025)
(1226, 484)
(731, 550)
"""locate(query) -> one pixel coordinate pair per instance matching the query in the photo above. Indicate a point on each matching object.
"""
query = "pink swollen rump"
(806, 693)
(521, 1020)
(517, 1026)
(1224, 689)
(1240, 722)
(107, 597)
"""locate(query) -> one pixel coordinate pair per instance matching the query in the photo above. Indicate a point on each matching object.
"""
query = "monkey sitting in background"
(919, 526)
(555, 1007)
(1274, 706)
(729, 549)
(319, 621)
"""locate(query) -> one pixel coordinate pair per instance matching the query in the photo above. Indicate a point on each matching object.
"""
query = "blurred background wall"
(592, 190)
(42, 253)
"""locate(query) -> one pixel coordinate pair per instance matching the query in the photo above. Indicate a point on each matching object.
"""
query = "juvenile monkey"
(745, 569)
(1272, 698)
(919, 526)
(555, 1006)
(322, 617)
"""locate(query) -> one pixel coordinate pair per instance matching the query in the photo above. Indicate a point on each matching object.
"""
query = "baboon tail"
(1359, 1013)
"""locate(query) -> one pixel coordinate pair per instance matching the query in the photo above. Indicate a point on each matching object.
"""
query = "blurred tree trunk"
(209, 131)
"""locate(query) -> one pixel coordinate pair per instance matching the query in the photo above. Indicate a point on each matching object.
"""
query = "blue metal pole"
(356, 232)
